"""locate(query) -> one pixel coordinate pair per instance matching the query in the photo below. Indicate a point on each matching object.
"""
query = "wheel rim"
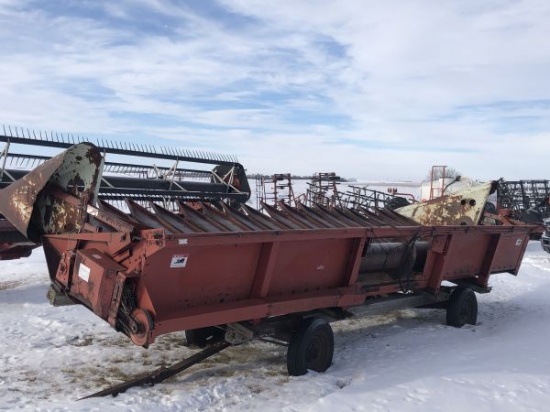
(145, 324)
(313, 351)
(316, 352)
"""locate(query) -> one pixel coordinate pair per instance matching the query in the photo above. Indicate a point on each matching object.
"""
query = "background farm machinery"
(327, 189)
(524, 201)
(227, 273)
(527, 201)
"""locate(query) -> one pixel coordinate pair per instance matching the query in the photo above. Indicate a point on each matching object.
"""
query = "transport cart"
(230, 274)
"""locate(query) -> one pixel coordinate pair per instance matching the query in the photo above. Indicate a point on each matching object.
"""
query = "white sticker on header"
(84, 272)
(519, 241)
(179, 261)
(183, 242)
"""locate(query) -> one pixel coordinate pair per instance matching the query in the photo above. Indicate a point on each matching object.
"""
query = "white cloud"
(362, 88)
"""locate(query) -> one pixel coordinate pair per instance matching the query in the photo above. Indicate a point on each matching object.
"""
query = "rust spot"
(32, 205)
(464, 207)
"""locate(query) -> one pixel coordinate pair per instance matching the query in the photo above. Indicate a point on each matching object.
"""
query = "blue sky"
(368, 89)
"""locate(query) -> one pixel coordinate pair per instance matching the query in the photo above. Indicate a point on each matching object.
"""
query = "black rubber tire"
(311, 346)
(204, 336)
(462, 307)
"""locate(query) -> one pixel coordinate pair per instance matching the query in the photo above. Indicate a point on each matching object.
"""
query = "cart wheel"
(144, 325)
(462, 307)
(204, 336)
(311, 347)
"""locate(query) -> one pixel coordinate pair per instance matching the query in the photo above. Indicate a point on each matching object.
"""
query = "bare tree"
(446, 172)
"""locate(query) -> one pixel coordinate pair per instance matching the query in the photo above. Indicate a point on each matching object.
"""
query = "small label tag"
(84, 272)
(519, 242)
(183, 242)
(179, 261)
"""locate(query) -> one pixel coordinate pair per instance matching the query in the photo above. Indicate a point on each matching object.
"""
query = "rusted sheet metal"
(34, 211)
(464, 207)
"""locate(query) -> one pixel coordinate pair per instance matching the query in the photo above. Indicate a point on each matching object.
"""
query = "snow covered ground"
(402, 361)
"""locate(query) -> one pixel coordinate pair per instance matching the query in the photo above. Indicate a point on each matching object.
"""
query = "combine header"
(226, 273)
(142, 173)
(524, 200)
